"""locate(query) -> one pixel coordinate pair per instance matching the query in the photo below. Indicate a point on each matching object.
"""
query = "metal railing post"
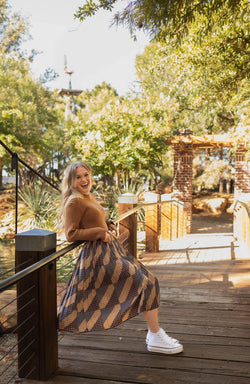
(14, 166)
(36, 305)
(128, 226)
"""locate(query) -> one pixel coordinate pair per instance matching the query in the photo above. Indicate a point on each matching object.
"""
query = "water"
(7, 259)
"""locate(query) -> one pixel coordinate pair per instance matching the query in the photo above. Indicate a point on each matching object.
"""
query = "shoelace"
(174, 341)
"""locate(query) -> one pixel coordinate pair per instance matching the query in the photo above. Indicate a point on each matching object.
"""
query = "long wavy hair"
(68, 187)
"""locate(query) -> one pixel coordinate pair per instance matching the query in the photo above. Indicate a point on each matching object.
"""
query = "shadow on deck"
(204, 303)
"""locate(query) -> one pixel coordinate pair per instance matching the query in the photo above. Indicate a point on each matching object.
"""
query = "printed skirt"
(107, 287)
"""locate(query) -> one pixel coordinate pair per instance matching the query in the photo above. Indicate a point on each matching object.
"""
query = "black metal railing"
(15, 160)
(11, 349)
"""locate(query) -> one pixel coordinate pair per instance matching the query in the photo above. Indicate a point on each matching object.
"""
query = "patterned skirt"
(107, 287)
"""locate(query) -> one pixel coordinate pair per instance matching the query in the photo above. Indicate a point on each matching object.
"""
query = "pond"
(7, 262)
(7, 259)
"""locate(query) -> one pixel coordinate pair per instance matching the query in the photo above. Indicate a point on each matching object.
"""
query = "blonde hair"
(68, 187)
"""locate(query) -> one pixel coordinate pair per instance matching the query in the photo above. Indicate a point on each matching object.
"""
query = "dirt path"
(209, 223)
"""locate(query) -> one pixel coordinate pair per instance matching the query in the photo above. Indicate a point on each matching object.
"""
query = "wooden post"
(36, 305)
(152, 226)
(128, 226)
(174, 220)
(166, 219)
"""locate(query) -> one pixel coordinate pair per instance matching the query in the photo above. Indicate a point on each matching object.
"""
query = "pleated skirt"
(107, 287)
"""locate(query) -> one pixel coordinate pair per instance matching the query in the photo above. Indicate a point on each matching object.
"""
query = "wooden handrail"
(39, 303)
(242, 225)
(145, 205)
(36, 266)
(242, 203)
(56, 255)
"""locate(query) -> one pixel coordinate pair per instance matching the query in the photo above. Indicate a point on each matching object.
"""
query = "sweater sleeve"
(73, 215)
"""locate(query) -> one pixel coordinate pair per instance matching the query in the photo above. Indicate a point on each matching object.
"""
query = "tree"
(161, 17)
(92, 102)
(14, 29)
(27, 108)
(175, 21)
(118, 136)
(208, 91)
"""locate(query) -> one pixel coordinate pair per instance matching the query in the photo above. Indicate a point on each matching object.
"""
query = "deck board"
(205, 303)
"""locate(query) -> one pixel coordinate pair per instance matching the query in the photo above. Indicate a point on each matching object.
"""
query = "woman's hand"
(107, 238)
(112, 228)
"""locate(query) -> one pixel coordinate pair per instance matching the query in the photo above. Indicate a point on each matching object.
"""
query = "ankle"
(154, 330)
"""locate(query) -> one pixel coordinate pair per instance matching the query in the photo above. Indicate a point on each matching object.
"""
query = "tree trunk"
(221, 186)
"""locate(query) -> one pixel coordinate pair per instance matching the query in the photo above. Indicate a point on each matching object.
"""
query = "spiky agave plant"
(40, 208)
(109, 194)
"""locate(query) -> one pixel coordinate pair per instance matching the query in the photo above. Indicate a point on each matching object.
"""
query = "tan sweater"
(84, 219)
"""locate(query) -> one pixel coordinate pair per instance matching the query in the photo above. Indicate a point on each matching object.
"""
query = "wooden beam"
(205, 141)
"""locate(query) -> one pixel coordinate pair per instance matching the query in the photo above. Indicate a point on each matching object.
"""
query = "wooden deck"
(204, 303)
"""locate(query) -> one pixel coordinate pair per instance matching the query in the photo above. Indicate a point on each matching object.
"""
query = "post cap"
(166, 197)
(35, 240)
(151, 197)
(127, 198)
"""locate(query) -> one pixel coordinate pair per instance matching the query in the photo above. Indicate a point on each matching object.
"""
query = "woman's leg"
(157, 340)
(151, 318)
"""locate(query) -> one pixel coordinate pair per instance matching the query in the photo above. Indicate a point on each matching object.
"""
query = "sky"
(95, 51)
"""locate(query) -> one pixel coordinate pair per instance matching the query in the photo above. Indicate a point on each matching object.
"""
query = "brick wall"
(242, 171)
(183, 175)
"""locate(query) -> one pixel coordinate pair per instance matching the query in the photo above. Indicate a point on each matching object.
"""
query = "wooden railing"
(242, 225)
(36, 279)
(164, 219)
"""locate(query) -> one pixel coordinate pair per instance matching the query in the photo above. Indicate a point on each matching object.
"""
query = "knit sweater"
(84, 219)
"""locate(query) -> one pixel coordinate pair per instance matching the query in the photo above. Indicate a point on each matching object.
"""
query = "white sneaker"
(162, 343)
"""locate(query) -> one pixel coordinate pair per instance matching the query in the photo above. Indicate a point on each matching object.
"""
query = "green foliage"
(194, 80)
(40, 209)
(211, 175)
(221, 57)
(216, 33)
(200, 82)
(92, 102)
(28, 114)
(13, 31)
(161, 17)
(108, 194)
(124, 137)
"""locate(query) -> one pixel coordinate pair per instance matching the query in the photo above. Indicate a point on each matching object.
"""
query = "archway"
(184, 146)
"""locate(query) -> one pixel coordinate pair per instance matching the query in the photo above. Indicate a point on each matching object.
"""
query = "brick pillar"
(183, 175)
(242, 172)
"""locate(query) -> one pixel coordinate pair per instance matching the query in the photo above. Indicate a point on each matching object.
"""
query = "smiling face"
(83, 182)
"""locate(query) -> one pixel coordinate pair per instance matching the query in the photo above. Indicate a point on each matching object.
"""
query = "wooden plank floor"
(204, 303)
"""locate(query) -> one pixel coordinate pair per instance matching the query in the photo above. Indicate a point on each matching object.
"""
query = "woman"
(108, 286)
